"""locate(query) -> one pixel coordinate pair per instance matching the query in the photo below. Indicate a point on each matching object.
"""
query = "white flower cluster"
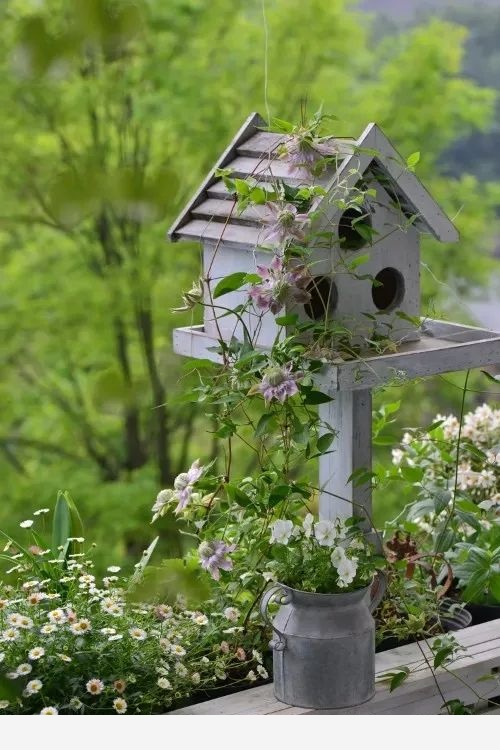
(435, 453)
(332, 534)
(160, 647)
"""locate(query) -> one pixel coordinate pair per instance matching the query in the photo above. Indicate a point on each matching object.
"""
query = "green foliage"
(111, 118)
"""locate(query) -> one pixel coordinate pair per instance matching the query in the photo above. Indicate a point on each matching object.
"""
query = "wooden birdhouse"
(379, 238)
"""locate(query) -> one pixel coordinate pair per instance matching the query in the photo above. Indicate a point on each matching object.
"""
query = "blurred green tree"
(112, 112)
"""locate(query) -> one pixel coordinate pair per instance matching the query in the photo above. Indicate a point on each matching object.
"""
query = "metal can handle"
(380, 589)
(281, 598)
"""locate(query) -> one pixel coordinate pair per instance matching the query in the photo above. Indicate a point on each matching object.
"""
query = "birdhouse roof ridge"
(210, 214)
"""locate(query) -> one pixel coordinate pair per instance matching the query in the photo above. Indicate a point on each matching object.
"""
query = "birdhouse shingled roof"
(211, 213)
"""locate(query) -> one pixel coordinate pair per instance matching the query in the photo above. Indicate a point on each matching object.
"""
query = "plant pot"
(451, 619)
(483, 612)
(324, 646)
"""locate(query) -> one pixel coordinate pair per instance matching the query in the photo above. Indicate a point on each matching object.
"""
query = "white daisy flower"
(26, 524)
(177, 650)
(24, 669)
(36, 653)
(200, 619)
(251, 676)
(35, 598)
(3, 705)
(116, 637)
(138, 634)
(34, 686)
(119, 686)
(196, 678)
(180, 670)
(108, 631)
(49, 711)
(57, 616)
(86, 579)
(49, 628)
(10, 634)
(120, 705)
(81, 627)
(75, 704)
(112, 607)
(11, 675)
(30, 584)
(263, 672)
(95, 686)
(42, 510)
(257, 656)
(64, 657)
(164, 683)
(113, 569)
(14, 619)
(232, 614)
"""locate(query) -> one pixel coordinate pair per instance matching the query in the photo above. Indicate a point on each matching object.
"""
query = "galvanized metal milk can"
(324, 645)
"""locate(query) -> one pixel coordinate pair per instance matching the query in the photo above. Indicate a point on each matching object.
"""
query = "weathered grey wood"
(248, 128)
(349, 415)
(442, 355)
(222, 209)
(261, 143)
(217, 230)
(219, 190)
(269, 169)
(418, 695)
(265, 143)
(410, 186)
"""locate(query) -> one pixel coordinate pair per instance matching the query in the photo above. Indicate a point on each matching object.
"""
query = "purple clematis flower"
(286, 225)
(213, 557)
(279, 383)
(183, 484)
(279, 286)
(304, 152)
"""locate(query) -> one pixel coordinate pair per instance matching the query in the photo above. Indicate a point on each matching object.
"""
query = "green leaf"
(242, 186)
(359, 260)
(412, 473)
(398, 679)
(494, 587)
(287, 320)
(61, 524)
(361, 476)
(141, 565)
(413, 159)
(263, 425)
(325, 441)
(258, 195)
(230, 283)
(315, 397)
(493, 378)
(281, 126)
(279, 493)
(237, 496)
(442, 655)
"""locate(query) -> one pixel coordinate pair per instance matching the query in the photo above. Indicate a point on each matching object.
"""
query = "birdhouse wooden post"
(382, 296)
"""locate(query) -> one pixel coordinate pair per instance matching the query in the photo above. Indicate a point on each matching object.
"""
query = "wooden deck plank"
(419, 694)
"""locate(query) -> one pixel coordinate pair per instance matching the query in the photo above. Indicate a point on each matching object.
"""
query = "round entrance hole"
(350, 238)
(324, 297)
(390, 290)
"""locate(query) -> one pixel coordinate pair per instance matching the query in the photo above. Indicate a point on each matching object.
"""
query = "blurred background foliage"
(112, 112)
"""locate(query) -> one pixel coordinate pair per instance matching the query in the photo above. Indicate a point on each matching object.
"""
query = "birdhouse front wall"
(392, 258)
(222, 260)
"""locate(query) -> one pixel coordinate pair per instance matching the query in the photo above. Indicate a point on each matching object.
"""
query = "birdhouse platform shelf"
(421, 693)
(442, 347)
